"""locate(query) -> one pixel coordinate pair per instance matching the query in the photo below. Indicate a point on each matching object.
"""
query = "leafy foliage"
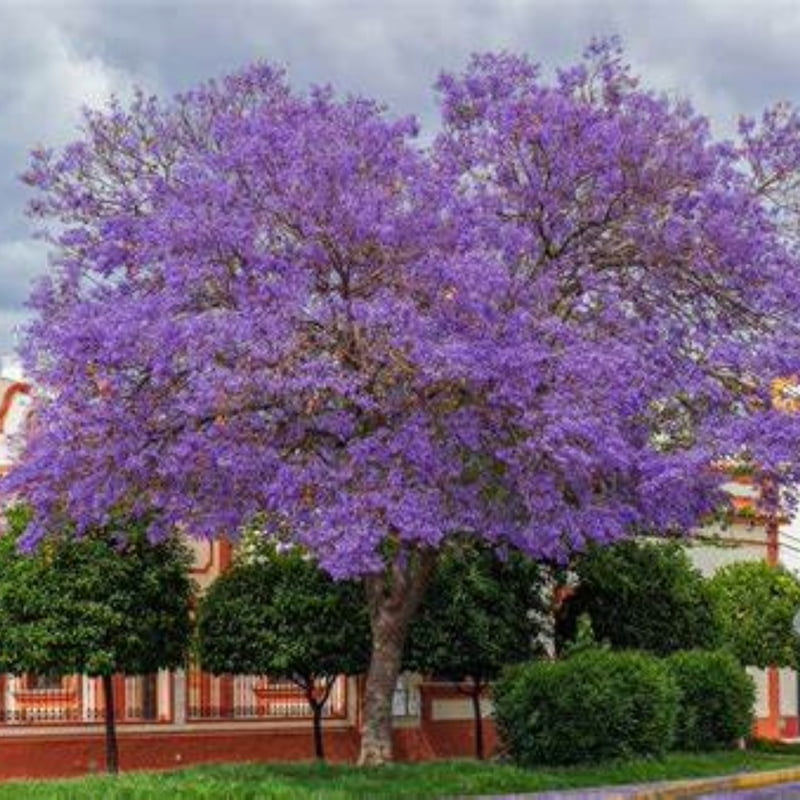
(481, 612)
(584, 638)
(643, 595)
(717, 697)
(599, 704)
(104, 603)
(276, 612)
(756, 604)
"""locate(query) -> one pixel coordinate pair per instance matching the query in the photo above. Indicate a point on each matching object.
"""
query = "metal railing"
(37, 700)
(78, 699)
(253, 697)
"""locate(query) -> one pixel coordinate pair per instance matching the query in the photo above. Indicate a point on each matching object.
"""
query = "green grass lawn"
(435, 780)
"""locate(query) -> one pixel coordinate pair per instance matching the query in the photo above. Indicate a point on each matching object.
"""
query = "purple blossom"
(545, 328)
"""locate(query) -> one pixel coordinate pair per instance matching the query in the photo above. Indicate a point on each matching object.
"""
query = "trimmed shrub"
(717, 696)
(594, 706)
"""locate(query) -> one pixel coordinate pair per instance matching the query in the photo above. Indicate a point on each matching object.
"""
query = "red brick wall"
(77, 754)
(65, 755)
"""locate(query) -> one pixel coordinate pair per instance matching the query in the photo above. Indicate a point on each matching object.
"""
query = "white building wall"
(759, 677)
(788, 687)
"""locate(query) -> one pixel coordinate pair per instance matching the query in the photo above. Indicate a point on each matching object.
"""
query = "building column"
(179, 697)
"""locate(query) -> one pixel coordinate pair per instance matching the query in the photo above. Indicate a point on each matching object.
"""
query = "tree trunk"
(319, 746)
(384, 669)
(478, 717)
(316, 700)
(112, 752)
(393, 597)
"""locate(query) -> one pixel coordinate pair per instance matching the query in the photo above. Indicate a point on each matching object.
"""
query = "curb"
(683, 790)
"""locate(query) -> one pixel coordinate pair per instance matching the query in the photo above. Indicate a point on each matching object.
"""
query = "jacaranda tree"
(542, 328)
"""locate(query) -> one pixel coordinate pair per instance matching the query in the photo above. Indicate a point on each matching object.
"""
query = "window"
(43, 683)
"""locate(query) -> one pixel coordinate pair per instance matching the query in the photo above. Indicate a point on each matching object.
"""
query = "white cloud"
(21, 262)
(45, 78)
(11, 322)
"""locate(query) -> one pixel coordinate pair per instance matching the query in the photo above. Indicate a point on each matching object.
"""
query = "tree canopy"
(540, 329)
(275, 612)
(642, 595)
(756, 604)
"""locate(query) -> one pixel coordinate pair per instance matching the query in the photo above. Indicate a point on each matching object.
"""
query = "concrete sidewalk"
(666, 790)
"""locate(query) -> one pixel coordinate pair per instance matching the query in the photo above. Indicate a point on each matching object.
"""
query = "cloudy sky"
(728, 56)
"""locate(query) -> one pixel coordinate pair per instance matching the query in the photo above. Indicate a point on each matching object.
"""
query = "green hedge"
(717, 696)
(596, 705)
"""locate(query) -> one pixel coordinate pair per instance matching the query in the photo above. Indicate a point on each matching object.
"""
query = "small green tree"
(755, 604)
(104, 603)
(482, 612)
(641, 595)
(276, 612)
